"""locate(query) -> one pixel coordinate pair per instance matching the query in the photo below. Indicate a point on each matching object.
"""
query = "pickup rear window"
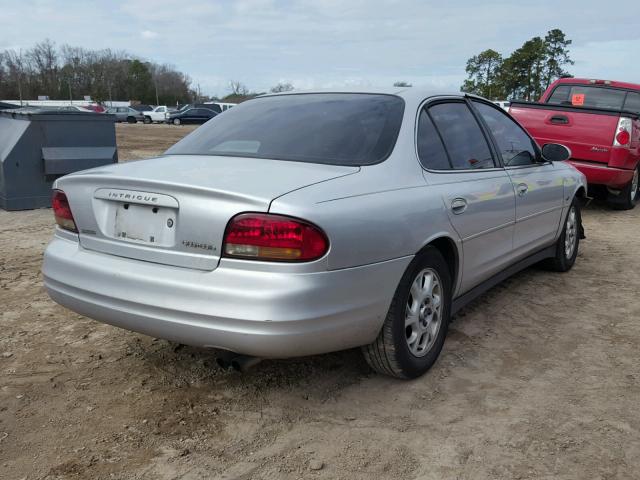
(632, 103)
(595, 97)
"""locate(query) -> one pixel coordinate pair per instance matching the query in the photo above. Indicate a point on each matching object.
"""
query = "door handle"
(560, 119)
(522, 189)
(458, 206)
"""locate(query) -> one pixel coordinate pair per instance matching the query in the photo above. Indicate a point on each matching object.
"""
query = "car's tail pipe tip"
(240, 363)
(243, 363)
(223, 363)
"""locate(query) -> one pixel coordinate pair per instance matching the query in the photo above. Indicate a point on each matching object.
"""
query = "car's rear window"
(330, 128)
(588, 97)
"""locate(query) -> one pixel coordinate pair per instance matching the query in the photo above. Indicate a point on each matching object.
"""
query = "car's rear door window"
(516, 147)
(329, 128)
(431, 151)
(463, 139)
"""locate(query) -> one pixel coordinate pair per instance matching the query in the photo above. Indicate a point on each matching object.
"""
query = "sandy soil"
(539, 378)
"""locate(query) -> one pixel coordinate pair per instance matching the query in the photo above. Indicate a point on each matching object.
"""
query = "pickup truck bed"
(599, 121)
(589, 134)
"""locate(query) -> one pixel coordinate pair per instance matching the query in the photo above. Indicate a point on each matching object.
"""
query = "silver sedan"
(304, 223)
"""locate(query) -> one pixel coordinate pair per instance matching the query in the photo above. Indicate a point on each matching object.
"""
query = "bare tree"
(45, 61)
(282, 87)
(238, 88)
(17, 71)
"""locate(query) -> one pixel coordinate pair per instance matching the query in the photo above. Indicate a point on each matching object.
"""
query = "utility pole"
(70, 97)
(20, 86)
(20, 78)
(155, 82)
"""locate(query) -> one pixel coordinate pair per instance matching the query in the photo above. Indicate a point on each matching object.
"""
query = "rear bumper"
(258, 313)
(603, 175)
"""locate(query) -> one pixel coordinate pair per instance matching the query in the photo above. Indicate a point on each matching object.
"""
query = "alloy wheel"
(423, 317)
(571, 233)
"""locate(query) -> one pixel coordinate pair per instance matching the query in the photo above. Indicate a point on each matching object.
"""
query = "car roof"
(408, 93)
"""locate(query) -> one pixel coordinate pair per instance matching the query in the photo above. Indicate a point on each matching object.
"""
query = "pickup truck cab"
(599, 121)
(158, 114)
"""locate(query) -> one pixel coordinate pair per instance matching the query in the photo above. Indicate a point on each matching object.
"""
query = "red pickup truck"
(599, 120)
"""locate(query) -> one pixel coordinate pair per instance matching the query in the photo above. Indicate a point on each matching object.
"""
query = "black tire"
(563, 260)
(390, 353)
(132, 120)
(628, 196)
(176, 121)
(147, 120)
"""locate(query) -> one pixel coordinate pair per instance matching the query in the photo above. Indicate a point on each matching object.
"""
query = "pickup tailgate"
(588, 133)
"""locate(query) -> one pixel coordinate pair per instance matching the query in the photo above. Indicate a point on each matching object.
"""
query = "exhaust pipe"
(242, 363)
(223, 363)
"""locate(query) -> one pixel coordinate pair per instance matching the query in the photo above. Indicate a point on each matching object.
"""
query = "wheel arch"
(448, 248)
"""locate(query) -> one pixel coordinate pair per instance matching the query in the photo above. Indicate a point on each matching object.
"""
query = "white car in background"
(158, 114)
(504, 104)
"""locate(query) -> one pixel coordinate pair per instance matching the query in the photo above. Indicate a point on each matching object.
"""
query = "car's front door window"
(516, 147)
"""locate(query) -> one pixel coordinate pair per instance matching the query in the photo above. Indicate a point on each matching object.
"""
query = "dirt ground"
(539, 378)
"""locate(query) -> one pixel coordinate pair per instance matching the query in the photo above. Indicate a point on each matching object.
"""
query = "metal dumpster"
(37, 146)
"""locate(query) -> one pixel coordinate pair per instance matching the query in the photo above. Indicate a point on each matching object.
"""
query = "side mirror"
(554, 152)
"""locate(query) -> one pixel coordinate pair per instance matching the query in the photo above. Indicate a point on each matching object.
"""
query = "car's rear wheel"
(628, 196)
(176, 121)
(569, 241)
(147, 120)
(132, 120)
(416, 325)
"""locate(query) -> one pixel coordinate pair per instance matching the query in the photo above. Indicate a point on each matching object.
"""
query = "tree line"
(66, 72)
(74, 72)
(525, 74)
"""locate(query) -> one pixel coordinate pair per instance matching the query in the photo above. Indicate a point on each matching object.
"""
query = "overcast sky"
(325, 43)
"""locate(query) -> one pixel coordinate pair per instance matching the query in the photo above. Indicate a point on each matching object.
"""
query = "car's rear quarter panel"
(371, 216)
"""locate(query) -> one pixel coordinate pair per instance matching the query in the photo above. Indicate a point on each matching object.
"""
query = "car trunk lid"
(174, 209)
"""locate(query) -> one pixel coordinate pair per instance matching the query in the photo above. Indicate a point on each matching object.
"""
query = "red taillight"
(262, 236)
(623, 137)
(623, 132)
(62, 211)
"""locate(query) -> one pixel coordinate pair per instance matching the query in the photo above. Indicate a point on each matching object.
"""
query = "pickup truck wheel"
(147, 120)
(569, 241)
(416, 325)
(628, 196)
